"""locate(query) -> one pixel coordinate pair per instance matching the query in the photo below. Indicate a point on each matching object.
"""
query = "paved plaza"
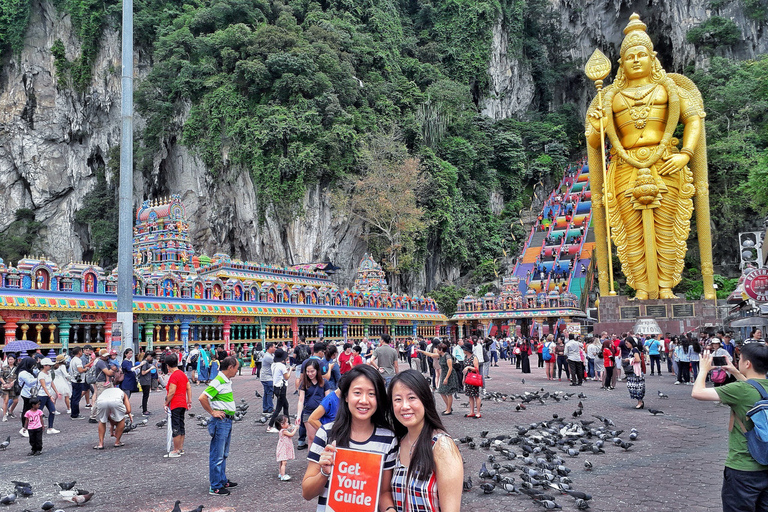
(676, 463)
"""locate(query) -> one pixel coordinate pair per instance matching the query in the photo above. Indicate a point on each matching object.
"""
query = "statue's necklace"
(640, 109)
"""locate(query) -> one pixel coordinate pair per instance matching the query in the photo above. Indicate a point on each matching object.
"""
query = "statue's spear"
(597, 69)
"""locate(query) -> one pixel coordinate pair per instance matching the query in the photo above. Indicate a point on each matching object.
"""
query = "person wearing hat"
(61, 380)
(103, 371)
(47, 394)
(472, 392)
(280, 375)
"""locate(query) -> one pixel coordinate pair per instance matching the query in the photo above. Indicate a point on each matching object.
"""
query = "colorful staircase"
(558, 252)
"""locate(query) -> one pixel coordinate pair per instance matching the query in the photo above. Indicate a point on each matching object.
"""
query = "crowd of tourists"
(358, 395)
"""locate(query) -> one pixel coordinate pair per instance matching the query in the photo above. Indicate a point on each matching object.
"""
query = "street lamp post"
(125, 235)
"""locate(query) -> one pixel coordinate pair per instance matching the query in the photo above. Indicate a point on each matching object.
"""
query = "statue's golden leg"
(651, 261)
(632, 250)
(598, 220)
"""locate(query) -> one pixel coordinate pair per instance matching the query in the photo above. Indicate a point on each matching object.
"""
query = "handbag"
(473, 379)
(719, 376)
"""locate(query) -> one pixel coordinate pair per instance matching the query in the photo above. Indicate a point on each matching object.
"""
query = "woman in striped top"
(428, 473)
(360, 424)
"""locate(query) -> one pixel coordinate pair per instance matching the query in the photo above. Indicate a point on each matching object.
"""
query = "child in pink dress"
(284, 451)
(33, 422)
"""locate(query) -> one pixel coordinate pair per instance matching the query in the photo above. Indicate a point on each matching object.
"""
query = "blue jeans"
(591, 368)
(269, 392)
(221, 434)
(45, 401)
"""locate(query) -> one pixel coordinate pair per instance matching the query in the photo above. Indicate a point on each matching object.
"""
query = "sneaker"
(77, 417)
(24, 432)
(56, 413)
(88, 406)
(285, 478)
(92, 420)
(219, 492)
(172, 455)
(69, 411)
(677, 382)
(273, 430)
(301, 446)
(146, 413)
(52, 431)
(11, 415)
(230, 484)
(5, 418)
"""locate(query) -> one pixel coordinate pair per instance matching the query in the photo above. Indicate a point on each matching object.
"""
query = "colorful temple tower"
(161, 240)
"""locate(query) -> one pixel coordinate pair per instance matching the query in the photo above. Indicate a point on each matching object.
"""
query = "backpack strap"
(760, 389)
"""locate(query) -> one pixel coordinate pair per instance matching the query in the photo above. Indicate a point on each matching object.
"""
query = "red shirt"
(180, 395)
(345, 362)
(607, 358)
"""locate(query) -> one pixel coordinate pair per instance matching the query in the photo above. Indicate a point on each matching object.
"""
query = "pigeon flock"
(538, 460)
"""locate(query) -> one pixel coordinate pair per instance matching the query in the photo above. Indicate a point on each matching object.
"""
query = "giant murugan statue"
(650, 184)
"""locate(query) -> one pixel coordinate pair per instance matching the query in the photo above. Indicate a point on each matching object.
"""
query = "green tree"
(22, 237)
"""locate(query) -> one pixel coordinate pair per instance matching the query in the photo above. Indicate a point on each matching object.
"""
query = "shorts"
(10, 393)
(177, 421)
(110, 410)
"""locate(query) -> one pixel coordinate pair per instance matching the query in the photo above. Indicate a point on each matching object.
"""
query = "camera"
(719, 361)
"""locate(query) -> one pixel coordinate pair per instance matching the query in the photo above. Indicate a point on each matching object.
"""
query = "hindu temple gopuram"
(181, 297)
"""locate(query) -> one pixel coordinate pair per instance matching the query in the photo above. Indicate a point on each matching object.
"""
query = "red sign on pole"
(355, 481)
(756, 285)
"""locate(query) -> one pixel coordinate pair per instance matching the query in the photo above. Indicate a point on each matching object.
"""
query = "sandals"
(478, 416)
(98, 447)
(447, 413)
(469, 415)
(118, 445)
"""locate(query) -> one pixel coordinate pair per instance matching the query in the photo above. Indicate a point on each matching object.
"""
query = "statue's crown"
(635, 35)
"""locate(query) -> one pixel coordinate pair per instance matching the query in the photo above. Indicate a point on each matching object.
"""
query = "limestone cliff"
(52, 139)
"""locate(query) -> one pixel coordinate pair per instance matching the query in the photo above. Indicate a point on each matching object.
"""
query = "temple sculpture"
(653, 180)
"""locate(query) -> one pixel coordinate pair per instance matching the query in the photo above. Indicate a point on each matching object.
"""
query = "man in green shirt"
(219, 402)
(745, 481)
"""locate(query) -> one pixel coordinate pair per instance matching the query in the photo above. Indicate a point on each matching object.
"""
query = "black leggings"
(608, 375)
(685, 370)
(25, 408)
(144, 397)
(281, 403)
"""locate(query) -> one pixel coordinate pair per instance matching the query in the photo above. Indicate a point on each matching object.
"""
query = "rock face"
(511, 84)
(52, 140)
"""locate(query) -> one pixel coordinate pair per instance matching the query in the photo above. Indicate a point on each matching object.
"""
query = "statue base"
(619, 314)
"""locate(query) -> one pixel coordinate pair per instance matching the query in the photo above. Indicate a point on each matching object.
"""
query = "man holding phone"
(745, 481)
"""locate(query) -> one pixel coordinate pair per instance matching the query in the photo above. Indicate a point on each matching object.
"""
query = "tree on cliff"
(383, 197)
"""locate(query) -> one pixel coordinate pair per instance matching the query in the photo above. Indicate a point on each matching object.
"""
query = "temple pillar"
(10, 329)
(437, 331)
(263, 332)
(64, 327)
(345, 329)
(185, 334)
(176, 334)
(24, 329)
(320, 329)
(365, 329)
(295, 331)
(167, 330)
(157, 333)
(149, 328)
(227, 331)
(108, 336)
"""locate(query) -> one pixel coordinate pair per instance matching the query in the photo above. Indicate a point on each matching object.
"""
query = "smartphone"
(719, 361)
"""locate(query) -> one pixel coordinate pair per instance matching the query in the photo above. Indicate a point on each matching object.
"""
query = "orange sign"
(355, 481)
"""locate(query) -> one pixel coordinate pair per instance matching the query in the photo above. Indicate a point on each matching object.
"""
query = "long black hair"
(422, 460)
(342, 426)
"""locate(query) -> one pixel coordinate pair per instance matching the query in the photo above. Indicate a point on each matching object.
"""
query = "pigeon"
(161, 423)
(467, 486)
(484, 433)
(582, 396)
(7, 500)
(17, 483)
(582, 504)
(5, 444)
(523, 381)
(48, 505)
(488, 488)
(626, 446)
(65, 486)
(662, 395)
(655, 411)
(191, 415)
(587, 465)
(198, 509)
(548, 504)
(25, 491)
(176, 507)
(579, 495)
(80, 499)
(633, 436)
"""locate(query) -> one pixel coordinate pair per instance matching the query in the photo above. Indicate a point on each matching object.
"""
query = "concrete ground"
(675, 464)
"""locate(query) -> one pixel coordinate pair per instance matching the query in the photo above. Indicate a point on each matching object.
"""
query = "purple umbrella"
(20, 346)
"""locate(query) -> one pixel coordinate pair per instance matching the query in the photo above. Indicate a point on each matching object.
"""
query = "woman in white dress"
(61, 379)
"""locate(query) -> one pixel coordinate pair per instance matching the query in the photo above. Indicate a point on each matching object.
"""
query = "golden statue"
(650, 183)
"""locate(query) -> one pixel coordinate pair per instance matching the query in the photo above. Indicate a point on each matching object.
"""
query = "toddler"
(284, 451)
(33, 422)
